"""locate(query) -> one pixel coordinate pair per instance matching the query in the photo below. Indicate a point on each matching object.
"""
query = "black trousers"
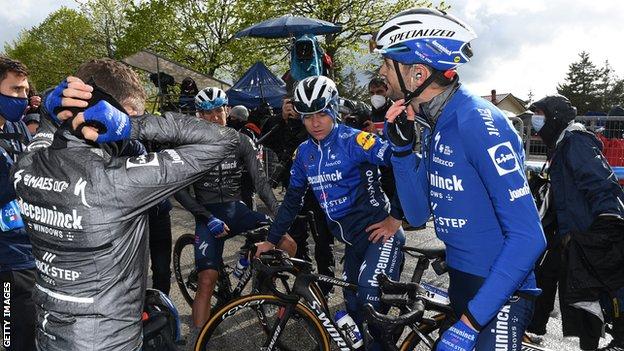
(160, 248)
(323, 242)
(547, 274)
(18, 310)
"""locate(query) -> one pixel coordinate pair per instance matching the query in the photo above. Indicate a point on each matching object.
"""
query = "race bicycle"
(301, 319)
(228, 286)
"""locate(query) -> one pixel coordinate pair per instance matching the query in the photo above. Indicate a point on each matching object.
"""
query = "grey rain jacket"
(223, 183)
(85, 211)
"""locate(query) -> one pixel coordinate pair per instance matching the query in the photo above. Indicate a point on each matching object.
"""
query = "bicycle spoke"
(252, 328)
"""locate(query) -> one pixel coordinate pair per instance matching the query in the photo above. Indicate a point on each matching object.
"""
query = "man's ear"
(132, 112)
(420, 73)
(415, 75)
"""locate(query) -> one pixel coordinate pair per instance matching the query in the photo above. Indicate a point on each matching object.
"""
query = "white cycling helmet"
(210, 98)
(425, 36)
(315, 94)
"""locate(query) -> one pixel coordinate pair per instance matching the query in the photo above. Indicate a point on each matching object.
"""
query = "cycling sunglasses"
(317, 105)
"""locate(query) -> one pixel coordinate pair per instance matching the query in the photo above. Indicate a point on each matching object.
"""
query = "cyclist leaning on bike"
(217, 205)
(340, 164)
(470, 177)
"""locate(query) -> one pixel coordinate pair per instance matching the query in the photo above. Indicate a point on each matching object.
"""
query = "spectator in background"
(34, 100)
(188, 90)
(378, 90)
(17, 263)
(587, 203)
(237, 119)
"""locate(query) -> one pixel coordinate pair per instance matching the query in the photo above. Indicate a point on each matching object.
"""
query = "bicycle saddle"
(430, 253)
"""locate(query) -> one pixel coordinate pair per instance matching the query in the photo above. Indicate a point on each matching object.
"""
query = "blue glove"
(459, 337)
(215, 225)
(53, 101)
(116, 123)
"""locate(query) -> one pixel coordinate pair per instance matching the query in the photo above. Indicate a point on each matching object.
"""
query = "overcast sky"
(522, 45)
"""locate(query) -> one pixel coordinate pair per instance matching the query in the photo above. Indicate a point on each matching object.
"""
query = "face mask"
(537, 121)
(378, 101)
(12, 108)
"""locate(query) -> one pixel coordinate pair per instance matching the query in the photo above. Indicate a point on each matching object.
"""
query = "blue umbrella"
(288, 26)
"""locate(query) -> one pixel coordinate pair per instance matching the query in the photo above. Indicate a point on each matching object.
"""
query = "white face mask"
(538, 122)
(378, 101)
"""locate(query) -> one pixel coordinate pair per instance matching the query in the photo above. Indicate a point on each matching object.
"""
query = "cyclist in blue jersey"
(470, 177)
(340, 163)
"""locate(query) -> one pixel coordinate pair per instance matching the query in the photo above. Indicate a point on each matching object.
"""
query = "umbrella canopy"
(256, 85)
(288, 26)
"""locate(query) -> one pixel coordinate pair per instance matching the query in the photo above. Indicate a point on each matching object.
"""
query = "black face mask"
(235, 123)
(558, 112)
(551, 130)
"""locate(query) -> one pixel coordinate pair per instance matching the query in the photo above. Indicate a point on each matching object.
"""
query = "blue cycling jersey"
(342, 171)
(471, 178)
(15, 248)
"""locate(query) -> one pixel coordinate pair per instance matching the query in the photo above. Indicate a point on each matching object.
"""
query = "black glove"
(401, 132)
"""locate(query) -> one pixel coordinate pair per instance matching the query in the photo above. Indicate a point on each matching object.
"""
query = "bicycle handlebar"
(390, 325)
(270, 264)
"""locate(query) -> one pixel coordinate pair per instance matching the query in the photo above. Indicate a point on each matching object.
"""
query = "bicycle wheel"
(184, 266)
(414, 342)
(245, 324)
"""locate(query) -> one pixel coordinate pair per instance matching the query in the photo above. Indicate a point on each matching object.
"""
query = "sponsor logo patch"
(504, 158)
(518, 193)
(149, 160)
(366, 140)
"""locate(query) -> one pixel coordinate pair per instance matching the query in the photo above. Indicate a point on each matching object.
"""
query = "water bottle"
(242, 263)
(347, 324)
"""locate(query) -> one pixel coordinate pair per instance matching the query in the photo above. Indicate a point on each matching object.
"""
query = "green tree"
(55, 48)
(110, 21)
(200, 33)
(581, 85)
(350, 88)
(592, 88)
(610, 88)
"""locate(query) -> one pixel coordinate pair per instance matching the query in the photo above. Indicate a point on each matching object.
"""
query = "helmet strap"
(410, 95)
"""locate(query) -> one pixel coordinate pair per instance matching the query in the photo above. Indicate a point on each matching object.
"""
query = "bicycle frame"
(318, 306)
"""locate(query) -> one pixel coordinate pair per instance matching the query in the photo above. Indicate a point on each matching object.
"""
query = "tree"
(351, 89)
(109, 20)
(592, 88)
(610, 88)
(55, 48)
(200, 33)
(581, 85)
